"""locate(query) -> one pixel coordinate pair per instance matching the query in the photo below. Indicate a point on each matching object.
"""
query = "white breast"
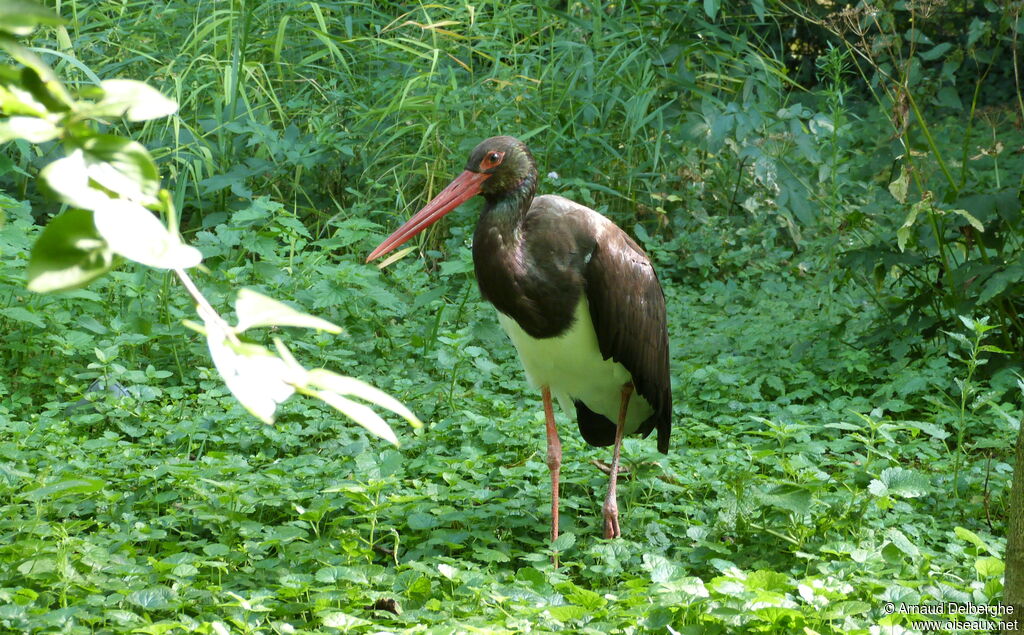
(571, 365)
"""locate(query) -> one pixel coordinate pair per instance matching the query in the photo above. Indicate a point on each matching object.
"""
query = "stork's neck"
(505, 210)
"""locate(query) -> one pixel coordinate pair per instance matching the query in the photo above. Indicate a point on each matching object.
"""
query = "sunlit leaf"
(334, 382)
(899, 187)
(975, 223)
(258, 379)
(989, 567)
(153, 599)
(137, 234)
(363, 415)
(342, 621)
(567, 612)
(38, 79)
(135, 100)
(398, 255)
(122, 166)
(903, 233)
(35, 78)
(973, 538)
(31, 129)
(70, 253)
(21, 17)
(67, 180)
(448, 571)
(119, 165)
(898, 481)
(255, 310)
(900, 540)
(15, 100)
(928, 428)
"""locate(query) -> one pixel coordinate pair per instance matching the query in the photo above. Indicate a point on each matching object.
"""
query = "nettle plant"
(111, 188)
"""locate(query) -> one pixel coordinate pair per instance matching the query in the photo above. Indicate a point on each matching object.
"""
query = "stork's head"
(496, 167)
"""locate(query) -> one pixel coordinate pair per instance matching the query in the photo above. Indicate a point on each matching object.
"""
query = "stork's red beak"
(464, 187)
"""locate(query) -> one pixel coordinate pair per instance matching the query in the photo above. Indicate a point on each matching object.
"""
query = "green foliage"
(815, 474)
(948, 242)
(112, 185)
(779, 507)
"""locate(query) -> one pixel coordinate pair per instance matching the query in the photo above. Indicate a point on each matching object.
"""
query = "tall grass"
(355, 108)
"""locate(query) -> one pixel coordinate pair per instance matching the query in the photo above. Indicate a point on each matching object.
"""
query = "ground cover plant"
(844, 431)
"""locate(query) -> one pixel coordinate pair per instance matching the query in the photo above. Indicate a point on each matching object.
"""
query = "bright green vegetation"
(842, 437)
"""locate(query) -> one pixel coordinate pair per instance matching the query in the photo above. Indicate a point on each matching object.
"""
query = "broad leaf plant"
(110, 187)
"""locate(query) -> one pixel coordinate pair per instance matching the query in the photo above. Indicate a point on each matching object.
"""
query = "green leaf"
(67, 180)
(989, 567)
(928, 428)
(711, 8)
(989, 348)
(903, 233)
(567, 612)
(935, 52)
(31, 129)
(973, 538)
(659, 617)
(257, 379)
(341, 385)
(37, 567)
(759, 9)
(119, 165)
(21, 17)
(135, 100)
(421, 520)
(900, 540)
(122, 166)
(76, 486)
(69, 254)
(255, 310)
(899, 187)
(898, 481)
(15, 100)
(563, 542)
(21, 314)
(790, 498)
(585, 597)
(38, 79)
(153, 599)
(998, 282)
(661, 568)
(33, 88)
(916, 35)
(134, 232)
(975, 223)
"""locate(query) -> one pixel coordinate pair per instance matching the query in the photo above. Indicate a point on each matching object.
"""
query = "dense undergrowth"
(822, 464)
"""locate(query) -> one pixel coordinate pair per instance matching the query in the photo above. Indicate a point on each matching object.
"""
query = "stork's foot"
(611, 519)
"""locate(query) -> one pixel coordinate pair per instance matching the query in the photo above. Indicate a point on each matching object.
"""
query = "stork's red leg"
(611, 505)
(554, 457)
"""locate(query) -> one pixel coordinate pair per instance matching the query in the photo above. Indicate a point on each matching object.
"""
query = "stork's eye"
(492, 160)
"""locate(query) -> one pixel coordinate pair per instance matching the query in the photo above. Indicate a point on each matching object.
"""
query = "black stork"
(578, 298)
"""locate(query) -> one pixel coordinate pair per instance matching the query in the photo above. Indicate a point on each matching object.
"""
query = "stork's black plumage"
(577, 296)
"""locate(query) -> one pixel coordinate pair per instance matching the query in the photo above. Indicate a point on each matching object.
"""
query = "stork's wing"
(627, 306)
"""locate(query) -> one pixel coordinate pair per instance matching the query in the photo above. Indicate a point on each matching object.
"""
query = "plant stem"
(206, 310)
